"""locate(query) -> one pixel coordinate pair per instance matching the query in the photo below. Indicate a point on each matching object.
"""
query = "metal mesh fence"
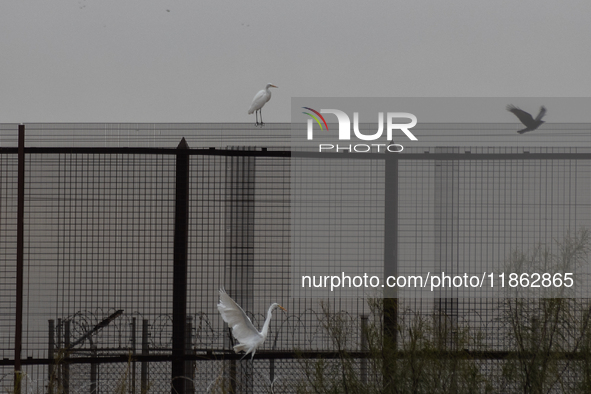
(8, 190)
(99, 238)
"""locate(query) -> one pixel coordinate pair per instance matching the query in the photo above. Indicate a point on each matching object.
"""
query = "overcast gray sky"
(203, 61)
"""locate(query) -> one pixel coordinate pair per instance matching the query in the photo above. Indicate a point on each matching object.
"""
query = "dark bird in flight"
(525, 118)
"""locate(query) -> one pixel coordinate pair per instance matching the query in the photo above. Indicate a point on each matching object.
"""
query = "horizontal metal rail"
(273, 355)
(263, 152)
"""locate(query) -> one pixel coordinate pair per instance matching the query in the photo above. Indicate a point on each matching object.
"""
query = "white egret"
(259, 100)
(242, 329)
(527, 119)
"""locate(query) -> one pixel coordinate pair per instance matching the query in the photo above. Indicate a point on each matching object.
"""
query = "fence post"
(390, 306)
(93, 367)
(59, 371)
(189, 369)
(272, 370)
(364, 349)
(179, 286)
(232, 376)
(20, 219)
(133, 352)
(51, 356)
(145, 352)
(66, 368)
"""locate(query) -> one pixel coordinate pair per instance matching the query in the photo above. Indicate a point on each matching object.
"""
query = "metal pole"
(189, 370)
(66, 369)
(390, 224)
(60, 377)
(179, 286)
(133, 351)
(51, 356)
(272, 370)
(20, 220)
(145, 352)
(390, 265)
(364, 349)
(93, 368)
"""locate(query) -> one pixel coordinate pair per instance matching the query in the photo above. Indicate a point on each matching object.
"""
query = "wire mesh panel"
(98, 240)
(99, 251)
(99, 237)
(8, 208)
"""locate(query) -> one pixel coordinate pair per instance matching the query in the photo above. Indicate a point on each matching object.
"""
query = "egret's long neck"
(267, 322)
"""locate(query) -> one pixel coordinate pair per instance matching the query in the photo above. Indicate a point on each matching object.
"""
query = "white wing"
(242, 327)
(258, 101)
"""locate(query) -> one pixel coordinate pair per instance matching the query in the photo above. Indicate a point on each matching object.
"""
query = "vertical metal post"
(51, 356)
(66, 369)
(391, 224)
(133, 351)
(20, 220)
(145, 352)
(59, 372)
(179, 289)
(239, 250)
(233, 381)
(189, 370)
(93, 368)
(390, 265)
(272, 370)
(364, 349)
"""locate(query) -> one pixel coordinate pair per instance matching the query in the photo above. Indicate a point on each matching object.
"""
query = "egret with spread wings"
(525, 118)
(242, 328)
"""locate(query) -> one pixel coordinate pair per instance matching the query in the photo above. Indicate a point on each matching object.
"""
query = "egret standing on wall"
(259, 100)
(242, 329)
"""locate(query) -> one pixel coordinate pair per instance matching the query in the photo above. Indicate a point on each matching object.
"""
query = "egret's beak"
(282, 308)
(275, 86)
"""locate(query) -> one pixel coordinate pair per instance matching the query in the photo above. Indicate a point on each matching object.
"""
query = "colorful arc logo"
(315, 118)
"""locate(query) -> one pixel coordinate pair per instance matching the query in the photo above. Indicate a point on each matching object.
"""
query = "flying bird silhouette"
(259, 100)
(242, 328)
(529, 122)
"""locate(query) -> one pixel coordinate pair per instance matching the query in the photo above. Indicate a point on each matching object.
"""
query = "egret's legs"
(256, 113)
